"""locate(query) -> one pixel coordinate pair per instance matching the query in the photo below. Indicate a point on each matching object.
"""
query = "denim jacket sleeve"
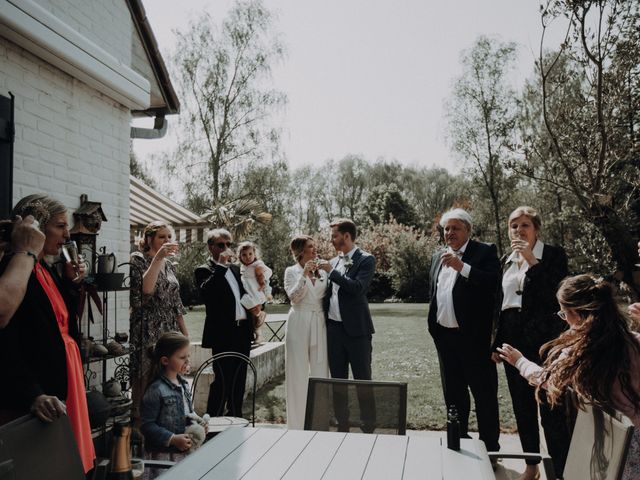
(152, 404)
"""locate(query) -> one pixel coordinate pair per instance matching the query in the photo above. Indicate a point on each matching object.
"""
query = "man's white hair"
(218, 233)
(457, 214)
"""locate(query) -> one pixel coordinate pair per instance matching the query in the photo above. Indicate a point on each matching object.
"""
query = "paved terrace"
(269, 361)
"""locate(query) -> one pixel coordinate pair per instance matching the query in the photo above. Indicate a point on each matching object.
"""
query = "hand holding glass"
(172, 251)
(71, 255)
(227, 256)
(316, 272)
(137, 468)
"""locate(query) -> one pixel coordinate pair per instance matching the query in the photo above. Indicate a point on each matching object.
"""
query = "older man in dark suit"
(349, 325)
(462, 291)
(228, 326)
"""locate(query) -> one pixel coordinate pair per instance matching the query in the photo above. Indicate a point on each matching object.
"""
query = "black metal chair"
(31, 448)
(367, 406)
(219, 423)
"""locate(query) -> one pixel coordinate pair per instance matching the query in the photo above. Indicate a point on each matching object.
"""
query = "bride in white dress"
(306, 337)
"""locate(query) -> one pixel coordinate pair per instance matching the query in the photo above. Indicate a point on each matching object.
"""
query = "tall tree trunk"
(495, 203)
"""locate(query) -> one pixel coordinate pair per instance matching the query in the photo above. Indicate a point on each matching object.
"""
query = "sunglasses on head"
(221, 244)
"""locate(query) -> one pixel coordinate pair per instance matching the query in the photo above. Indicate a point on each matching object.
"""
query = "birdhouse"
(87, 219)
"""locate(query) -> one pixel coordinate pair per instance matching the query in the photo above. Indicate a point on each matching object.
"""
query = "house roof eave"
(172, 104)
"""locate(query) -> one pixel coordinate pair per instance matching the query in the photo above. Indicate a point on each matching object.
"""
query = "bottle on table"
(453, 428)
(121, 453)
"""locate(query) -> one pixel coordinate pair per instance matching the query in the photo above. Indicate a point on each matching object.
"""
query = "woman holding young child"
(598, 357)
(306, 337)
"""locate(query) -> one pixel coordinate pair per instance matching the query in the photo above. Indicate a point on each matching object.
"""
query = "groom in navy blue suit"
(349, 324)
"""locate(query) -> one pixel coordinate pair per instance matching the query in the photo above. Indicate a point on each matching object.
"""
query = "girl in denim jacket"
(167, 400)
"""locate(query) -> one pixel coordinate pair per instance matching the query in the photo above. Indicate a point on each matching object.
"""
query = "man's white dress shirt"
(334, 306)
(241, 313)
(446, 315)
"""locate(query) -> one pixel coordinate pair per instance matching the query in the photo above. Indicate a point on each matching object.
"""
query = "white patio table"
(270, 453)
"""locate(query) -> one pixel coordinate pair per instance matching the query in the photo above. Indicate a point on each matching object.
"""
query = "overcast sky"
(367, 77)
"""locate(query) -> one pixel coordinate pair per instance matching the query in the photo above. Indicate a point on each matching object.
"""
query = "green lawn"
(402, 350)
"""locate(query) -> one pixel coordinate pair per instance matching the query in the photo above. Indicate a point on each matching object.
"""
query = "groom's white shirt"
(334, 306)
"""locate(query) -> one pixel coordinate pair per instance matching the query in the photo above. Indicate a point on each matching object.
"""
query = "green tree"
(585, 143)
(239, 216)
(268, 186)
(431, 191)
(228, 105)
(386, 203)
(482, 115)
(139, 171)
(306, 188)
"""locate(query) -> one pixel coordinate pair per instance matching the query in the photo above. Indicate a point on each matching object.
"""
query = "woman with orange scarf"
(39, 356)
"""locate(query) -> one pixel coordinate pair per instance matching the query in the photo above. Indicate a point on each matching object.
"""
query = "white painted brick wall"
(107, 23)
(71, 140)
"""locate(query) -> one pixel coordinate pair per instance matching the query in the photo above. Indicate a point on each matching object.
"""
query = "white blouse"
(301, 290)
(513, 278)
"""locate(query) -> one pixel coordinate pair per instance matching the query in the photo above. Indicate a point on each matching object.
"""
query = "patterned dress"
(151, 315)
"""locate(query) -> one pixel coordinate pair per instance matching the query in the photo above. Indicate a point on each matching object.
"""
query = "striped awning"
(147, 205)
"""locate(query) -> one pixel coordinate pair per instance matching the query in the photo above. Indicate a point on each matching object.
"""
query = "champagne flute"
(230, 255)
(173, 253)
(70, 253)
(316, 272)
(517, 257)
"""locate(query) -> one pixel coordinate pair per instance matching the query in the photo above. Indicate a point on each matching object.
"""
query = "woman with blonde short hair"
(527, 319)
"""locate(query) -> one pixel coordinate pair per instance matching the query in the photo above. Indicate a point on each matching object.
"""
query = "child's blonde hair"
(246, 245)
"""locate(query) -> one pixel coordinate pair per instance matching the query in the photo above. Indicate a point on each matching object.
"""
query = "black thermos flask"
(453, 428)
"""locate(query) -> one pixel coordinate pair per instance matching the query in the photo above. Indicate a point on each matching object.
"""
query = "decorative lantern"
(87, 222)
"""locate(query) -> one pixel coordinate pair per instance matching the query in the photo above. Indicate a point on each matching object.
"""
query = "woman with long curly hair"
(598, 357)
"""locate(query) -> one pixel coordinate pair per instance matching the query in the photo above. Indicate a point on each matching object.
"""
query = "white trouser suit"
(305, 341)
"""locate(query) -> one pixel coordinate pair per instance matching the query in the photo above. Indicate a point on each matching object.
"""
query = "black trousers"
(226, 392)
(464, 366)
(344, 350)
(557, 424)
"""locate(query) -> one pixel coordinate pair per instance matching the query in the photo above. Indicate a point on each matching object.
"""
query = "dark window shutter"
(7, 133)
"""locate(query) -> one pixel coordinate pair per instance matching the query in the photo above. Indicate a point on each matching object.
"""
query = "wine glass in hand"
(70, 253)
(173, 252)
(316, 272)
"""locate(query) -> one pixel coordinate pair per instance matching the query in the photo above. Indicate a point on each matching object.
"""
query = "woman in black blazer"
(40, 362)
(527, 317)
